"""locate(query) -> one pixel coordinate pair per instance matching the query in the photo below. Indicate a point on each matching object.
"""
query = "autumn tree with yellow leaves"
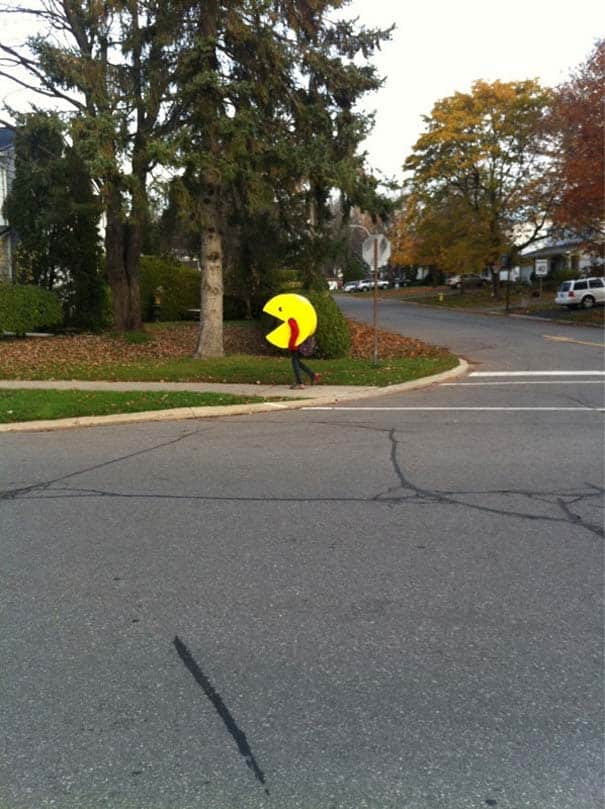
(480, 177)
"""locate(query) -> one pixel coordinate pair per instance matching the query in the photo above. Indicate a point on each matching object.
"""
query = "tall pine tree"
(269, 91)
(55, 212)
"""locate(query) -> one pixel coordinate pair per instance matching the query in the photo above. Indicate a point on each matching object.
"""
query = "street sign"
(383, 251)
(541, 268)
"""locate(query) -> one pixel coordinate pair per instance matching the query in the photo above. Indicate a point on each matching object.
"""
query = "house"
(562, 252)
(7, 171)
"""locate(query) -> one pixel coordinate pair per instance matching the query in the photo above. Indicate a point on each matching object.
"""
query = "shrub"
(24, 308)
(234, 308)
(180, 285)
(246, 291)
(332, 335)
(562, 273)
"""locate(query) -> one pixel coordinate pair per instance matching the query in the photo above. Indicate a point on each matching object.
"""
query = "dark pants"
(298, 366)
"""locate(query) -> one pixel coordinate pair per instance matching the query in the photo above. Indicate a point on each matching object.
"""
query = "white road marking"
(447, 409)
(537, 373)
(526, 382)
(571, 340)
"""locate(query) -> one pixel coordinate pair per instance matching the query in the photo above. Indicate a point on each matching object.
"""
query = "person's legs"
(296, 367)
(311, 374)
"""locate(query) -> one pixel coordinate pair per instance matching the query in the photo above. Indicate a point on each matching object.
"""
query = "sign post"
(540, 270)
(376, 251)
(505, 264)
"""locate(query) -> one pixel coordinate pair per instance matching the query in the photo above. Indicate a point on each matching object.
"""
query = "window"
(596, 283)
(580, 285)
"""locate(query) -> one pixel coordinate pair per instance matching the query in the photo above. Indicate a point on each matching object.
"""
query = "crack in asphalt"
(9, 494)
(409, 492)
(422, 495)
(450, 498)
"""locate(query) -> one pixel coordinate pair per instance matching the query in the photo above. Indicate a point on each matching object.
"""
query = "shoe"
(316, 379)
(296, 387)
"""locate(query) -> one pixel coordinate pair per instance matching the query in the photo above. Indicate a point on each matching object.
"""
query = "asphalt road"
(495, 342)
(394, 603)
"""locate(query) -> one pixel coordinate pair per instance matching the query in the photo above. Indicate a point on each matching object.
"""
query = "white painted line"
(537, 373)
(448, 409)
(527, 382)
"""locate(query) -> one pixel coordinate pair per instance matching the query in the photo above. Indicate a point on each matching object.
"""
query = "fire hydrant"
(157, 303)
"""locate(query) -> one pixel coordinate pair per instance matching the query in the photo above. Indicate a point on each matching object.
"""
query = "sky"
(441, 46)
(438, 48)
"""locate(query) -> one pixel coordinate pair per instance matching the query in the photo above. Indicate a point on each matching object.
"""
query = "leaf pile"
(26, 357)
(390, 346)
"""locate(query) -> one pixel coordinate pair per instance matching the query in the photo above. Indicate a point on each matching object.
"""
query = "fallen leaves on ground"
(24, 357)
(390, 346)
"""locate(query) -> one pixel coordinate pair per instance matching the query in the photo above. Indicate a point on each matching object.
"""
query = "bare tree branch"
(45, 88)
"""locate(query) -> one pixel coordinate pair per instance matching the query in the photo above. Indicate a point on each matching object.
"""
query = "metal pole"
(375, 301)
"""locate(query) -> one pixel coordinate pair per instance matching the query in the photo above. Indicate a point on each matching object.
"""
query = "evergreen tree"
(113, 65)
(55, 213)
(256, 97)
(268, 90)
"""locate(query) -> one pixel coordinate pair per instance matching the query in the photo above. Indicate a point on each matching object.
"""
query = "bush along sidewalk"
(26, 308)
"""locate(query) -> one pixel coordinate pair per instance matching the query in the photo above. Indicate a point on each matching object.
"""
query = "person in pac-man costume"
(294, 333)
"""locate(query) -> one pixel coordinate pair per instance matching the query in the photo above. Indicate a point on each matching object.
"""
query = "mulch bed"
(36, 354)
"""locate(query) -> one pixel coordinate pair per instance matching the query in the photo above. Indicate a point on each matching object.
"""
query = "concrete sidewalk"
(308, 396)
(266, 391)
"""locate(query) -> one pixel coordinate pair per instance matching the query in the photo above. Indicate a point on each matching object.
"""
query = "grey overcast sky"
(440, 47)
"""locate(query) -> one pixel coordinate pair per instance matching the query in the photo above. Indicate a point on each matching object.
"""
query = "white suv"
(581, 292)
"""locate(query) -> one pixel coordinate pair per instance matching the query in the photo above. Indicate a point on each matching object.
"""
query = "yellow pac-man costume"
(299, 316)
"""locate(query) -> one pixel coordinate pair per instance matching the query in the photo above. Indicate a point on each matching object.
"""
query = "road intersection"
(395, 602)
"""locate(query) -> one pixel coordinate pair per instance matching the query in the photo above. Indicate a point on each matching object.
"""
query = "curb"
(499, 313)
(182, 413)
(555, 320)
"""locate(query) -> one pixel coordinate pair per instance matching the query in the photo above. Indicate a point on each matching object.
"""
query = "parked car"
(367, 285)
(581, 292)
(350, 286)
(470, 279)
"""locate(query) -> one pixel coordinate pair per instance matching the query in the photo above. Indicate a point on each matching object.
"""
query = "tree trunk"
(122, 248)
(496, 282)
(210, 342)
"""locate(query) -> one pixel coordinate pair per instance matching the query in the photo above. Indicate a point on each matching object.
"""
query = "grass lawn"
(33, 405)
(255, 370)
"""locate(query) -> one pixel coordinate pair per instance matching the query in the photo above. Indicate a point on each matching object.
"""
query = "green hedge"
(180, 284)
(332, 335)
(24, 308)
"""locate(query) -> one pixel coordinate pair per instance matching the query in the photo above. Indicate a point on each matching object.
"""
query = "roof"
(553, 250)
(7, 137)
